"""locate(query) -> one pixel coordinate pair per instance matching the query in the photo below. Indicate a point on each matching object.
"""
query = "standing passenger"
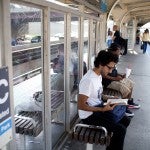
(116, 36)
(145, 40)
(117, 39)
(90, 105)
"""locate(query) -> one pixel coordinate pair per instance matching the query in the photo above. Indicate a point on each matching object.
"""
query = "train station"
(46, 48)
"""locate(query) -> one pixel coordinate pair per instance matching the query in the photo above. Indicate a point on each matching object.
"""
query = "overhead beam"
(88, 5)
(138, 4)
(143, 14)
(132, 10)
(136, 13)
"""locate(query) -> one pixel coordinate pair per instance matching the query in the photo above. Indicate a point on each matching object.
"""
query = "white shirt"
(91, 86)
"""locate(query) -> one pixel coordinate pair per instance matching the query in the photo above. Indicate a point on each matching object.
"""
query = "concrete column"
(103, 29)
(134, 32)
(6, 60)
(123, 30)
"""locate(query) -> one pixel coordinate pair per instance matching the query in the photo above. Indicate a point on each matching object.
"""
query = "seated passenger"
(118, 82)
(90, 106)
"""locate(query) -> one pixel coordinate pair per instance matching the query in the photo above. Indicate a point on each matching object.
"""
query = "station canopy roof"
(117, 10)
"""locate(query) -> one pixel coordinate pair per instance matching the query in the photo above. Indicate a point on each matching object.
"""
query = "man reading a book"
(90, 105)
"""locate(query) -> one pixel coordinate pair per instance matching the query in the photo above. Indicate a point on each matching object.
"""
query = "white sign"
(5, 116)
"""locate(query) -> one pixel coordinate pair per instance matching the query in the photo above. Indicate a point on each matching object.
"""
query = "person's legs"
(117, 140)
(126, 93)
(129, 95)
(118, 129)
(129, 83)
(125, 121)
(121, 87)
(144, 47)
(119, 132)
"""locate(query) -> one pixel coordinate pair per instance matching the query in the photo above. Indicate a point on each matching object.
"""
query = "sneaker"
(129, 113)
(133, 105)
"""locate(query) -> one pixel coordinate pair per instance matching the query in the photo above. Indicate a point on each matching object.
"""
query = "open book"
(117, 101)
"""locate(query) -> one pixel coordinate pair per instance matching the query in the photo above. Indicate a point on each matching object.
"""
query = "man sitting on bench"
(90, 105)
(118, 82)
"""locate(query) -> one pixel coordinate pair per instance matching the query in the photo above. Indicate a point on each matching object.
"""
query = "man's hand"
(109, 107)
(123, 75)
(118, 78)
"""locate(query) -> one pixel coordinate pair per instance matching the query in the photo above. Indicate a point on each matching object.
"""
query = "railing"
(28, 53)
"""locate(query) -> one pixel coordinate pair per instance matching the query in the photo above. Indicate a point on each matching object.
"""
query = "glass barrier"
(74, 66)
(26, 44)
(57, 52)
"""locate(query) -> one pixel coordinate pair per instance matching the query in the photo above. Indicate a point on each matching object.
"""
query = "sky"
(146, 26)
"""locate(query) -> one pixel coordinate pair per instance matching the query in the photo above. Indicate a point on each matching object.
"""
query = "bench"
(91, 134)
(29, 121)
(57, 99)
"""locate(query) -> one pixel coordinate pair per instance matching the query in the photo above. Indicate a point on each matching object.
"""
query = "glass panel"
(93, 51)
(57, 75)
(86, 45)
(26, 54)
(74, 66)
(98, 38)
(94, 38)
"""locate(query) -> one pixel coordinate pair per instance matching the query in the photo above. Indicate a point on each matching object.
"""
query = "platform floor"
(138, 133)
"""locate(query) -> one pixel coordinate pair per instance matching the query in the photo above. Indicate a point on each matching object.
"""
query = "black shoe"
(133, 105)
(129, 113)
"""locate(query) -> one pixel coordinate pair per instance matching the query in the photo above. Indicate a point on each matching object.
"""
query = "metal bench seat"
(90, 134)
(28, 123)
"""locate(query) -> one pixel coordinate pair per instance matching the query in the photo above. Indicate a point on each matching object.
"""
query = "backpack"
(121, 42)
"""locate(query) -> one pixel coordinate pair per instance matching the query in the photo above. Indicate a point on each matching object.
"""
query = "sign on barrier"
(5, 115)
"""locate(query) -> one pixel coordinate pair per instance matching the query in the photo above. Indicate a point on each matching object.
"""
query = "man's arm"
(123, 75)
(83, 105)
(117, 78)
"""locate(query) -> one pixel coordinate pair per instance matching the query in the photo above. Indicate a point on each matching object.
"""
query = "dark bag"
(142, 46)
(121, 41)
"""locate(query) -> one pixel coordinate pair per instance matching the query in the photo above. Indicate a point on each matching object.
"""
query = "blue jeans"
(109, 43)
(144, 46)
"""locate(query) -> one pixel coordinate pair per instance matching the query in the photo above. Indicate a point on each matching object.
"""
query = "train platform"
(138, 133)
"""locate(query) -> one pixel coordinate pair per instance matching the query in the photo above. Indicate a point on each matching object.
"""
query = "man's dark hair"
(114, 47)
(103, 58)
